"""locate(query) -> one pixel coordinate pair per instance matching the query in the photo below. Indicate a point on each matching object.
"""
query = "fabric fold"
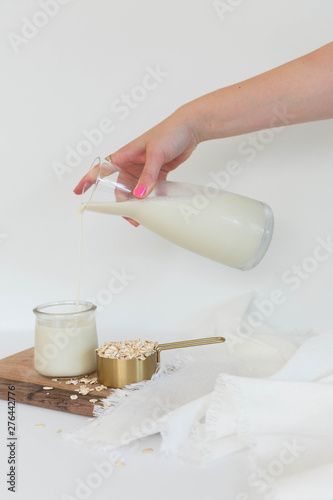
(267, 393)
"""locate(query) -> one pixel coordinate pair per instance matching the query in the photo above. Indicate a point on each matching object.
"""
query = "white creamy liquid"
(65, 351)
(229, 228)
(79, 260)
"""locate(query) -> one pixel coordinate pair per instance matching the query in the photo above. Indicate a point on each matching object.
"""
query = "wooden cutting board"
(18, 370)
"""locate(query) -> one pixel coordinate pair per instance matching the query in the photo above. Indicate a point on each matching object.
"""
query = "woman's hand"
(296, 92)
(155, 153)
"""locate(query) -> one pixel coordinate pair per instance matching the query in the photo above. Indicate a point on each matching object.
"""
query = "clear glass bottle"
(65, 339)
(226, 227)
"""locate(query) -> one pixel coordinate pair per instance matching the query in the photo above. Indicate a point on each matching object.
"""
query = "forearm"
(297, 92)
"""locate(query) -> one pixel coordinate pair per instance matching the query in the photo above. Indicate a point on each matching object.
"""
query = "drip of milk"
(228, 228)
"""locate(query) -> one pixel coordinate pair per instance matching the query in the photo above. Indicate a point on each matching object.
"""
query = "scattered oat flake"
(54, 380)
(93, 400)
(73, 381)
(93, 380)
(74, 396)
(58, 432)
(119, 463)
(147, 450)
(84, 380)
(39, 425)
(84, 390)
(47, 388)
(100, 388)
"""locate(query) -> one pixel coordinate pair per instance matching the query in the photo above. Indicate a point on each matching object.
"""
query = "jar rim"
(88, 306)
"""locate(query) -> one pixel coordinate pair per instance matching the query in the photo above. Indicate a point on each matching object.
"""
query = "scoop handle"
(187, 343)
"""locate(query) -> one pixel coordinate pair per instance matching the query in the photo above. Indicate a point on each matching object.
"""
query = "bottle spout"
(109, 184)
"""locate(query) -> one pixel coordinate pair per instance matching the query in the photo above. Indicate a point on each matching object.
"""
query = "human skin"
(297, 92)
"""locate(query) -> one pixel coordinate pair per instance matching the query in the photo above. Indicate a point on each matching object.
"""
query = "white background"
(65, 79)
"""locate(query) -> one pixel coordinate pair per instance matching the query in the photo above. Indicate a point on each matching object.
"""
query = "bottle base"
(265, 240)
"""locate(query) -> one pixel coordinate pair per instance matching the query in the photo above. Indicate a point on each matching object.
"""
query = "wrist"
(194, 116)
(205, 117)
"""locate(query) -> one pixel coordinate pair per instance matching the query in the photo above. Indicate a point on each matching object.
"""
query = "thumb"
(149, 175)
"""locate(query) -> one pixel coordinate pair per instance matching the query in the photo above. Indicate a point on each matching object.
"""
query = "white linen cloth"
(267, 392)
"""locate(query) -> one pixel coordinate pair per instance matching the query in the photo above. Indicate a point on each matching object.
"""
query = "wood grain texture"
(18, 370)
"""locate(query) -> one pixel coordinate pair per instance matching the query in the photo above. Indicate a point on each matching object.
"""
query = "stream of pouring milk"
(65, 345)
(229, 229)
(79, 265)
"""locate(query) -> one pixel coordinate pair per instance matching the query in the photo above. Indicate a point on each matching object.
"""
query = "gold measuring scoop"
(117, 373)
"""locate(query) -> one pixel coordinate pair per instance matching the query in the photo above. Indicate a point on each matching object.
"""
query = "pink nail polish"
(140, 190)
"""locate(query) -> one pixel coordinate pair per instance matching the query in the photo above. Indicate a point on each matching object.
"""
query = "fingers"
(131, 221)
(103, 169)
(149, 175)
(86, 182)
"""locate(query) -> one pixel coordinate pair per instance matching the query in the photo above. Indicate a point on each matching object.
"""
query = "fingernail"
(140, 190)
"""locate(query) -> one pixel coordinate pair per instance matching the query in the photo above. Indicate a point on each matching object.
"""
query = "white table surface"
(48, 466)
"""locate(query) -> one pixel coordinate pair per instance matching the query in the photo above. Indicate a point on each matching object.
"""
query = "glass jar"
(65, 339)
